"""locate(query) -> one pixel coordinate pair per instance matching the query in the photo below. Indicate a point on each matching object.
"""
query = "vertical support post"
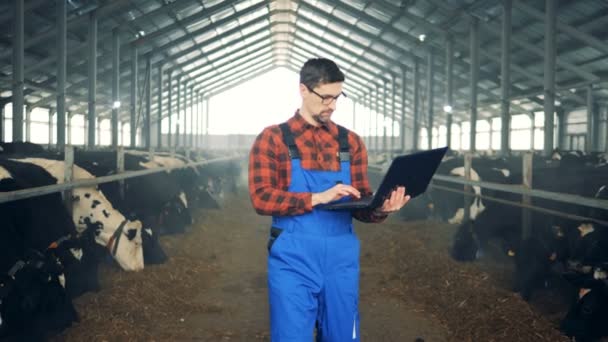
(169, 107)
(120, 168)
(92, 73)
(179, 109)
(2, 112)
(354, 115)
(371, 113)
(192, 106)
(384, 117)
(393, 100)
(115, 86)
(449, 84)
(61, 72)
(561, 128)
(198, 120)
(207, 122)
(549, 74)
(403, 93)
(468, 161)
(532, 118)
(474, 55)
(134, 90)
(68, 175)
(505, 81)
(146, 124)
(430, 98)
(50, 127)
(18, 62)
(69, 122)
(28, 123)
(416, 123)
(526, 199)
(589, 139)
(159, 107)
(378, 114)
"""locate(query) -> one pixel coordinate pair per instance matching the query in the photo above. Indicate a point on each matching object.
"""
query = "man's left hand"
(395, 202)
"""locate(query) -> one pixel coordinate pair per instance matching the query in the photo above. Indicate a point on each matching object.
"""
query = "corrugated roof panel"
(380, 12)
(373, 30)
(198, 24)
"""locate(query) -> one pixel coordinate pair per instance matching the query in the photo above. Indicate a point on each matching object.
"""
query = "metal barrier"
(120, 176)
(525, 189)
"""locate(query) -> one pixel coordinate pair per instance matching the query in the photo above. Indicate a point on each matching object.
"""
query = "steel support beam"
(474, 55)
(192, 126)
(393, 95)
(146, 131)
(18, 62)
(169, 107)
(61, 71)
(92, 74)
(549, 73)
(416, 124)
(159, 107)
(505, 81)
(384, 116)
(115, 86)
(449, 84)
(134, 97)
(378, 124)
(403, 93)
(590, 138)
(178, 110)
(430, 98)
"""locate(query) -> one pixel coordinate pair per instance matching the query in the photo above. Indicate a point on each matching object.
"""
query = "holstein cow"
(45, 225)
(154, 199)
(91, 210)
(33, 298)
(586, 319)
(474, 231)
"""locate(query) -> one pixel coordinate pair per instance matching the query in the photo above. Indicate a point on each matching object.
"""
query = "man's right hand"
(335, 193)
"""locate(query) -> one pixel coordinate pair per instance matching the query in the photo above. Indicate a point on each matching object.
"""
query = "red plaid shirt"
(270, 167)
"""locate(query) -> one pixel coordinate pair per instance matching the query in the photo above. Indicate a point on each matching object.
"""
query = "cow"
(46, 225)
(33, 277)
(156, 199)
(586, 319)
(91, 210)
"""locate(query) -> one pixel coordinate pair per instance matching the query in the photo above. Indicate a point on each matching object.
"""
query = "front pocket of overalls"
(274, 235)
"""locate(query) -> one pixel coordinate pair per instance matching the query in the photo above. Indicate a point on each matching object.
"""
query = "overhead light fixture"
(573, 90)
(558, 102)
(141, 33)
(447, 108)
(116, 104)
(422, 37)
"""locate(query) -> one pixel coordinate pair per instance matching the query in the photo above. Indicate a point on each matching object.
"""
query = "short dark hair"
(320, 71)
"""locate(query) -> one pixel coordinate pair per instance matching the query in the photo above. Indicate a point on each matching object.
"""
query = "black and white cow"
(36, 260)
(91, 210)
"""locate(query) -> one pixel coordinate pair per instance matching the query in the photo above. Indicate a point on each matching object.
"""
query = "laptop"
(414, 171)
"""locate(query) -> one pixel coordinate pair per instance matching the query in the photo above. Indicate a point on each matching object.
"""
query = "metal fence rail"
(48, 189)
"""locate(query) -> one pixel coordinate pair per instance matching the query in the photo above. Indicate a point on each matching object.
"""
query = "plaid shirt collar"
(299, 125)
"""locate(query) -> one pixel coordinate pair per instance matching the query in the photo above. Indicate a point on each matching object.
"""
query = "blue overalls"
(313, 262)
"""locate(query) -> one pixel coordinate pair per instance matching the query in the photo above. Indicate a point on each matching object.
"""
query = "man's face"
(320, 102)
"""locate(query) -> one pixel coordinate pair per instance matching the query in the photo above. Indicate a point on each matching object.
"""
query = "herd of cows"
(50, 255)
(556, 248)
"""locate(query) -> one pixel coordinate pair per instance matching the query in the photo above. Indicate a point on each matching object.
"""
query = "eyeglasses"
(327, 99)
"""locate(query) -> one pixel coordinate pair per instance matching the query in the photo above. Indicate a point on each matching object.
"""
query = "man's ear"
(303, 90)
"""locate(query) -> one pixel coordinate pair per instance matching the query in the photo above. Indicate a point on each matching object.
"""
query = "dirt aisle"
(214, 289)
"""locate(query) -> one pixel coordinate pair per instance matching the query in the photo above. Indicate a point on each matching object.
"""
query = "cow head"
(465, 246)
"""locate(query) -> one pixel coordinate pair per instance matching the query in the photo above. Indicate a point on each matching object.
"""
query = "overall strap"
(289, 141)
(344, 153)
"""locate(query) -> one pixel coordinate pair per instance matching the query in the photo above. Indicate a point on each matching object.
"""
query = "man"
(295, 168)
